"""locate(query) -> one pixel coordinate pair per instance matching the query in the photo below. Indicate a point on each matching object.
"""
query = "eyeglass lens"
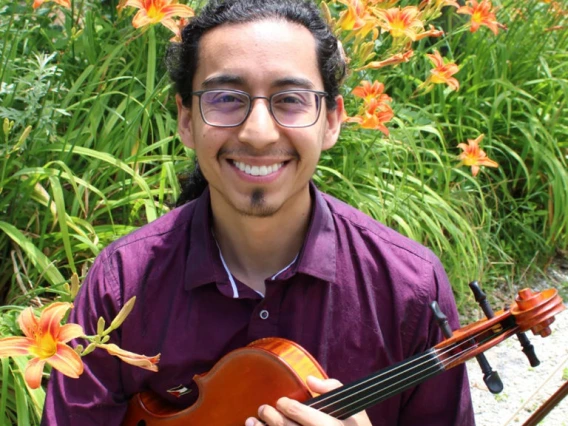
(290, 108)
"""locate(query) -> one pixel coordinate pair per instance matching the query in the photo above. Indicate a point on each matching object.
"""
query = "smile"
(257, 170)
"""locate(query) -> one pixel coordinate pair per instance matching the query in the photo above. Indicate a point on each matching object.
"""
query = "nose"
(259, 129)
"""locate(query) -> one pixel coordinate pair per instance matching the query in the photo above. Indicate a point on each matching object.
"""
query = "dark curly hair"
(182, 57)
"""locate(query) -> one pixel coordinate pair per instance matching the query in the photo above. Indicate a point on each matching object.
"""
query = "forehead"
(258, 55)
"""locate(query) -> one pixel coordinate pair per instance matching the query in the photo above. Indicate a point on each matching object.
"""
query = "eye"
(292, 98)
(225, 97)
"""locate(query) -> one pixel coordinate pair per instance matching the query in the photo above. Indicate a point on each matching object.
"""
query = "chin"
(256, 205)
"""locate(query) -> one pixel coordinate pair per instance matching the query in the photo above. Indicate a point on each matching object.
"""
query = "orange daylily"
(383, 4)
(481, 14)
(180, 26)
(64, 3)
(357, 18)
(432, 32)
(356, 15)
(368, 92)
(376, 114)
(401, 22)
(142, 361)
(392, 60)
(442, 72)
(159, 11)
(473, 156)
(437, 4)
(45, 339)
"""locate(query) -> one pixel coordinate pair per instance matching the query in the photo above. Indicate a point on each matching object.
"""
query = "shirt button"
(264, 314)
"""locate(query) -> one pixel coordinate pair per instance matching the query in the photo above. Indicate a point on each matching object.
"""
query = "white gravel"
(525, 388)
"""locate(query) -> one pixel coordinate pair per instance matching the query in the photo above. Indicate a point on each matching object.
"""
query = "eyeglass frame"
(318, 93)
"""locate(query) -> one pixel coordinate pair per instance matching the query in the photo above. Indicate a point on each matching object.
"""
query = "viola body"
(271, 368)
(236, 387)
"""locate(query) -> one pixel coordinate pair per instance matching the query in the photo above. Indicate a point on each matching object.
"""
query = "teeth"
(256, 170)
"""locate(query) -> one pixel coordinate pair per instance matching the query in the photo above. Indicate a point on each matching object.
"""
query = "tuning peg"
(490, 377)
(441, 319)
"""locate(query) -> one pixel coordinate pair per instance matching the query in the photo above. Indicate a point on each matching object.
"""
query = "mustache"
(251, 152)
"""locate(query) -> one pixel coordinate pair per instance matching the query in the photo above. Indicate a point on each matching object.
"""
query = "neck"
(255, 248)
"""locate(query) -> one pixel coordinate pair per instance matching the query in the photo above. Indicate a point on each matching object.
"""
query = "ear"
(185, 124)
(334, 118)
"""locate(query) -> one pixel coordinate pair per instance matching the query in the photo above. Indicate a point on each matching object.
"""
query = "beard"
(257, 206)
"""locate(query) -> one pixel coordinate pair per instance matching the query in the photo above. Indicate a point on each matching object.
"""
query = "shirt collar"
(317, 257)
(203, 264)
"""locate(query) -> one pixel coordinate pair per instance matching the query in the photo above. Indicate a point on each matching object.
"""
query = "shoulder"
(167, 228)
(130, 261)
(372, 233)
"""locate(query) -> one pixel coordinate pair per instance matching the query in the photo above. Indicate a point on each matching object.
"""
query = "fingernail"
(249, 422)
(260, 410)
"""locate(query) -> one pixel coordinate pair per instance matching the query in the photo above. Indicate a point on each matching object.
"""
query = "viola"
(271, 368)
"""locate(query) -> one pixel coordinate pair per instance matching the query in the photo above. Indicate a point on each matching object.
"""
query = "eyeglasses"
(230, 108)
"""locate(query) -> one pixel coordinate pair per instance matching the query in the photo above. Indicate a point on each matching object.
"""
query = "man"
(261, 252)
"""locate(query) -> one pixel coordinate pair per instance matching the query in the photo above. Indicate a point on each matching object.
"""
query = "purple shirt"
(356, 298)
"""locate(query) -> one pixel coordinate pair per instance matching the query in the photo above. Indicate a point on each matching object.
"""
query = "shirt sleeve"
(97, 396)
(444, 400)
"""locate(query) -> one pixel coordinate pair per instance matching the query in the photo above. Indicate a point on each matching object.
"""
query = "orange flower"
(393, 60)
(442, 72)
(432, 32)
(370, 92)
(437, 4)
(383, 4)
(45, 339)
(376, 114)
(474, 156)
(64, 3)
(356, 18)
(481, 14)
(180, 26)
(159, 11)
(401, 22)
(145, 362)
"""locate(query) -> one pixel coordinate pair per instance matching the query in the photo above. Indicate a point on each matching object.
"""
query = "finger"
(273, 417)
(304, 415)
(251, 421)
(322, 386)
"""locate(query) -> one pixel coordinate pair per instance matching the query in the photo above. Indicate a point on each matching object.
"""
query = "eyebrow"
(299, 82)
(219, 80)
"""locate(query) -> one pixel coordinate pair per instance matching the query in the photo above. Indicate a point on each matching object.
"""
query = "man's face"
(260, 58)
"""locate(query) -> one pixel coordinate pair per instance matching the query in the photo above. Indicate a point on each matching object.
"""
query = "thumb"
(322, 386)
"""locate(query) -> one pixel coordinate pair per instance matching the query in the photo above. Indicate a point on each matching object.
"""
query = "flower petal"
(70, 331)
(141, 19)
(134, 3)
(147, 363)
(28, 322)
(15, 346)
(33, 373)
(50, 319)
(180, 10)
(67, 361)
(171, 25)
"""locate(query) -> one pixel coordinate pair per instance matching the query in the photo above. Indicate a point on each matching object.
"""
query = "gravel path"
(525, 388)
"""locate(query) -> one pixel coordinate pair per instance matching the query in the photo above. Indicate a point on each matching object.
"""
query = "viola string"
(338, 397)
(360, 404)
(403, 366)
(370, 399)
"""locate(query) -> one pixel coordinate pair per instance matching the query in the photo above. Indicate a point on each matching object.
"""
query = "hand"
(289, 412)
